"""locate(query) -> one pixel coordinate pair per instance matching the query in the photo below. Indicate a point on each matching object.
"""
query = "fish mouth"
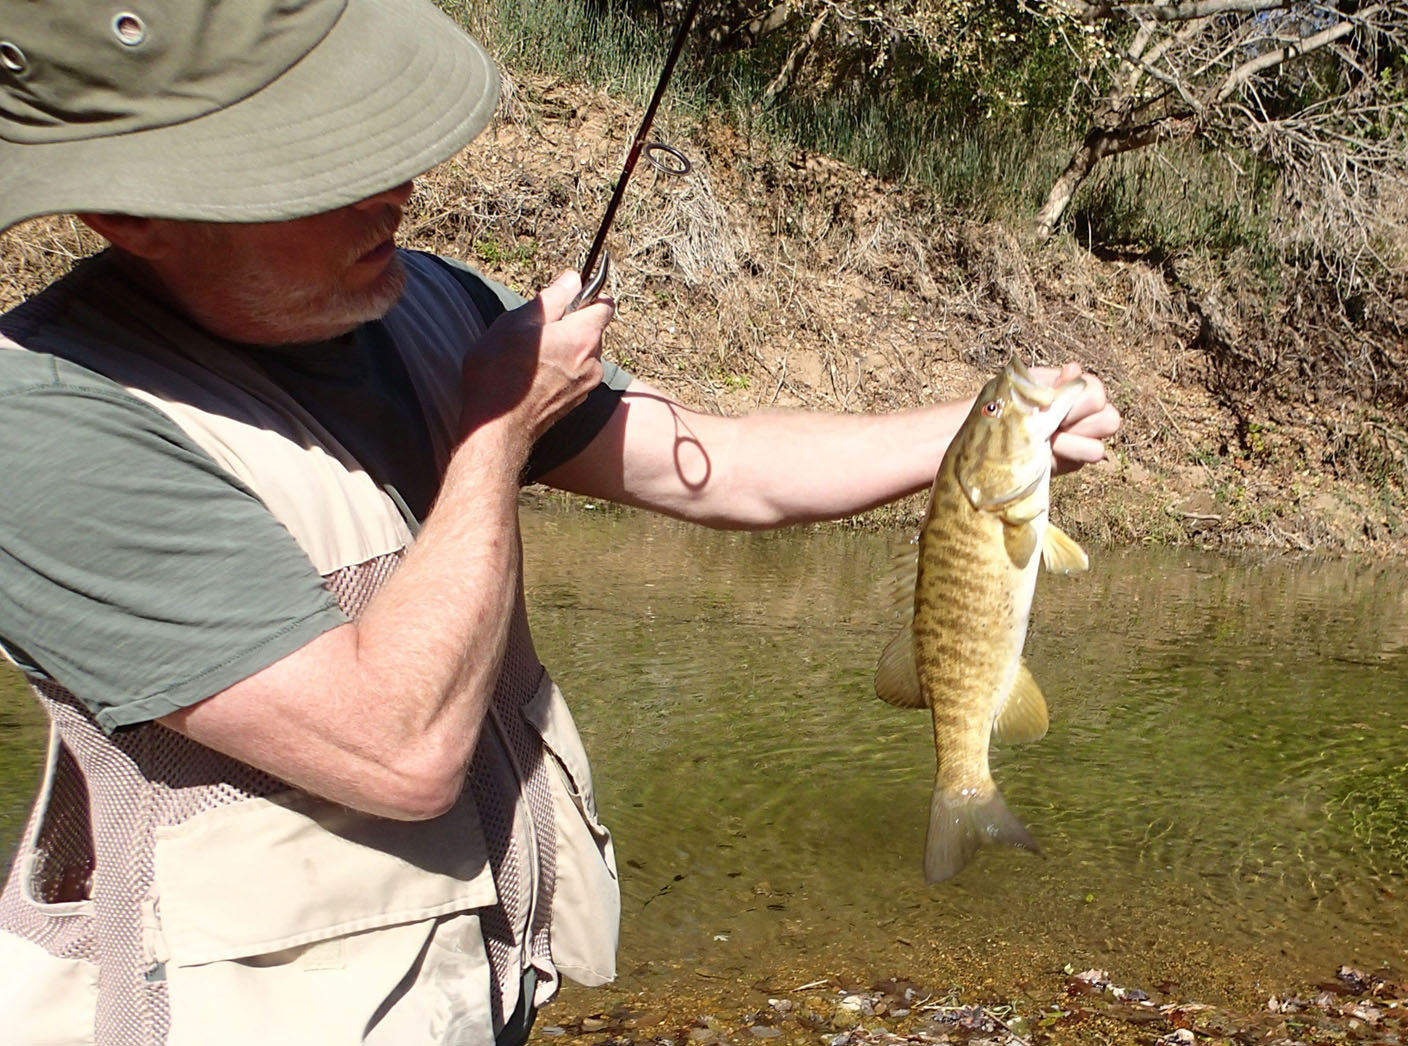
(1049, 402)
(1025, 384)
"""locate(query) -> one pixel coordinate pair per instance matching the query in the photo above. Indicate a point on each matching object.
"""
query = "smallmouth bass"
(986, 535)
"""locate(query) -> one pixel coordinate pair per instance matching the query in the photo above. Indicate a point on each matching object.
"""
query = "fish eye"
(993, 408)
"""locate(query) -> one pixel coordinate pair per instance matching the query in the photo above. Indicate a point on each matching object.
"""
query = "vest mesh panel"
(508, 769)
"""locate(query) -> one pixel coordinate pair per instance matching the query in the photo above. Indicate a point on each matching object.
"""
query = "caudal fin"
(958, 825)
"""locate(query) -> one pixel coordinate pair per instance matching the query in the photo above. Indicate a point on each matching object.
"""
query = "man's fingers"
(1097, 424)
(1072, 450)
(1092, 398)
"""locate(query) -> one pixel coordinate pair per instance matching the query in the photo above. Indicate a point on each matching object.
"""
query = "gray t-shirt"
(137, 572)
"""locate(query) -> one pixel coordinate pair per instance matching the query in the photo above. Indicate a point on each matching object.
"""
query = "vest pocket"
(586, 902)
(45, 998)
(296, 920)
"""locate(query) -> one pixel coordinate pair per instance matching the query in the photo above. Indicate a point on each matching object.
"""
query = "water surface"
(1222, 800)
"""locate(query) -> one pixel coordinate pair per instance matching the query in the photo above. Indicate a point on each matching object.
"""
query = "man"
(307, 781)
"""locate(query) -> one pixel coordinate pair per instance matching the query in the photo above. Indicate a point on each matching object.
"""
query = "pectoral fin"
(1061, 554)
(1020, 541)
(1023, 716)
(896, 678)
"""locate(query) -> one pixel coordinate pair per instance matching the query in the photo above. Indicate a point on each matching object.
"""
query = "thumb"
(557, 295)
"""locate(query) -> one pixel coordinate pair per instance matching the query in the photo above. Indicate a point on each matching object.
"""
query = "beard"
(273, 310)
(249, 300)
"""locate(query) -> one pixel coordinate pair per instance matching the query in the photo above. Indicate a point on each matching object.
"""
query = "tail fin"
(958, 825)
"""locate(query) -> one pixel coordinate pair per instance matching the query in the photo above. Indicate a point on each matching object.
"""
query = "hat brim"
(394, 88)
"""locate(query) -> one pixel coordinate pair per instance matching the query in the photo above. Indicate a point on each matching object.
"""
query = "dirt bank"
(786, 279)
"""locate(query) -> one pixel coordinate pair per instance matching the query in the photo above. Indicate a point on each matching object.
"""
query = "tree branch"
(783, 80)
(1099, 143)
(1175, 11)
(1305, 45)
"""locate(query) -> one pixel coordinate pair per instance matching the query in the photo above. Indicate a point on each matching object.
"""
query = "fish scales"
(963, 632)
(979, 552)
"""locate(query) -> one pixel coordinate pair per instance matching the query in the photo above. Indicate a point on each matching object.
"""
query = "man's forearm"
(786, 467)
(383, 714)
(766, 469)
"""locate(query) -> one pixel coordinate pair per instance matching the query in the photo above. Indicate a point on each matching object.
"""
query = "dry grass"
(35, 253)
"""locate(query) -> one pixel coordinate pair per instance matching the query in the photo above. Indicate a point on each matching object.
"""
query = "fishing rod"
(592, 284)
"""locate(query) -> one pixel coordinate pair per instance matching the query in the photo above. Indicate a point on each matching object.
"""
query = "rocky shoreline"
(1350, 1006)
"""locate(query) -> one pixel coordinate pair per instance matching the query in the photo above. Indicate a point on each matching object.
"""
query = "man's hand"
(535, 363)
(1093, 419)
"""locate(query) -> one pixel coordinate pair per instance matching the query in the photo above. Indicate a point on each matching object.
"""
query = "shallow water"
(1222, 800)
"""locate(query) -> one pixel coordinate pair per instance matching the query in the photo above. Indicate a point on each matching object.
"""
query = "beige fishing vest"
(165, 894)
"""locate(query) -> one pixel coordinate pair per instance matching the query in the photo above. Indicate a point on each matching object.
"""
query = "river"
(1221, 802)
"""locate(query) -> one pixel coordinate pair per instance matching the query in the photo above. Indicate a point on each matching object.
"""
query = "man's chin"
(354, 308)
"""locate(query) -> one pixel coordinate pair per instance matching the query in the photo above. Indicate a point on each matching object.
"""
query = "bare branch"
(1176, 11)
(783, 80)
(1305, 45)
(1099, 143)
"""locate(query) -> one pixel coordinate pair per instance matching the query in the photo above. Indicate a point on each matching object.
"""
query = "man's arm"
(383, 714)
(773, 468)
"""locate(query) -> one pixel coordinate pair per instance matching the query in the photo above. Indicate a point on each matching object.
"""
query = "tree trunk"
(783, 80)
(1099, 143)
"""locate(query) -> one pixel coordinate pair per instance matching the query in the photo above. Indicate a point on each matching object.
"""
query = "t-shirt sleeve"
(134, 571)
(573, 431)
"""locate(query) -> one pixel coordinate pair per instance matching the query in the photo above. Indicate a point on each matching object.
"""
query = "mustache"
(388, 220)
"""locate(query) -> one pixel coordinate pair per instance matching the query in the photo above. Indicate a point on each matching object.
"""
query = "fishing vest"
(163, 894)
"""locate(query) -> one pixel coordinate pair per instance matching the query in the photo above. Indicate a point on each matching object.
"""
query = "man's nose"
(397, 196)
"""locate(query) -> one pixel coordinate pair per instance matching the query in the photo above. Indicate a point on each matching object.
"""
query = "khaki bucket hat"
(229, 110)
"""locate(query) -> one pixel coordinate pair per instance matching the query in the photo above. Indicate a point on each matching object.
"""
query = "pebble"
(845, 1018)
(762, 1031)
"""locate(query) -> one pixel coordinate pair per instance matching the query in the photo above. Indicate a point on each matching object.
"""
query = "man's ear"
(141, 237)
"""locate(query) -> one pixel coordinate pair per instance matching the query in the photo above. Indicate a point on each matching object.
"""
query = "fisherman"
(259, 554)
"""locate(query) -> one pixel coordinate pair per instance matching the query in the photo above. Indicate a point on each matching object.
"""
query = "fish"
(985, 536)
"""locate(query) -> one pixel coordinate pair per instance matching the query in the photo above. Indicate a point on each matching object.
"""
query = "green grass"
(1175, 200)
(591, 43)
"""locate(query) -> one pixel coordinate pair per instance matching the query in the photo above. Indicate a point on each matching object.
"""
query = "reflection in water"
(1221, 800)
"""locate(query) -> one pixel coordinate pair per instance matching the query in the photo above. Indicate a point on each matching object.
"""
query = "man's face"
(295, 281)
